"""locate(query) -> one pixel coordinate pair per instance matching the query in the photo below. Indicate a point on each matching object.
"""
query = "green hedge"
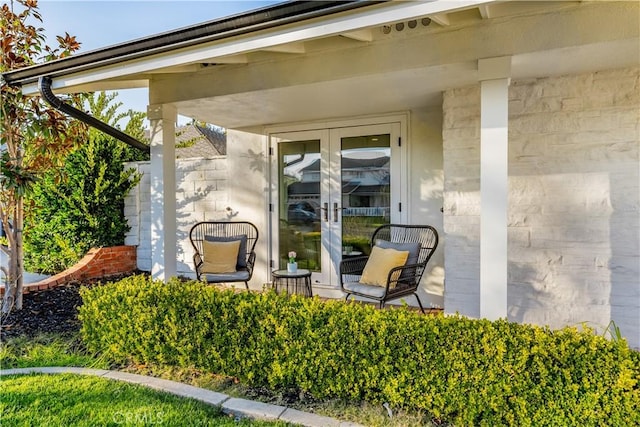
(469, 372)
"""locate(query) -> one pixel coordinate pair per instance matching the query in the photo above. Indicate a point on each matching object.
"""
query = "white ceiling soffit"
(340, 24)
(373, 94)
(395, 91)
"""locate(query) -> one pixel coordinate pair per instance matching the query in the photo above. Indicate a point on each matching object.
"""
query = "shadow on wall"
(250, 201)
(554, 277)
(202, 194)
(624, 264)
(557, 244)
(565, 147)
(255, 160)
(191, 196)
(527, 289)
(431, 197)
(585, 268)
(432, 287)
(249, 185)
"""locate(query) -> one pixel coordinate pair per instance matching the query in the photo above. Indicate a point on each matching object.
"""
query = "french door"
(332, 188)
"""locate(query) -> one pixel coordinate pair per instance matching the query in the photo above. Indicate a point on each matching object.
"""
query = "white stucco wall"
(425, 195)
(574, 200)
(137, 207)
(202, 195)
(247, 192)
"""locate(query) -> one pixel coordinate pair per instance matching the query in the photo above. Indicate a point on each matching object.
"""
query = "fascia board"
(328, 26)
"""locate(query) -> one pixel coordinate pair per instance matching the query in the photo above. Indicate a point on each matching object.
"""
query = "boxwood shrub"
(463, 371)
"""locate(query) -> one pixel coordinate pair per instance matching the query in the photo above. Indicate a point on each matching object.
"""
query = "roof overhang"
(309, 61)
(130, 64)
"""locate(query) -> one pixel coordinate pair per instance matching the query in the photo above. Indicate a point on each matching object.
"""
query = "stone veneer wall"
(574, 200)
(201, 196)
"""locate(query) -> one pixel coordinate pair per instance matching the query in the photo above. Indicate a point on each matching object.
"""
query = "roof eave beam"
(485, 11)
(365, 35)
(296, 47)
(441, 19)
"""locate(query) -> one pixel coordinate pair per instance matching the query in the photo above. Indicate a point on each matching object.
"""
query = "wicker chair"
(224, 232)
(401, 281)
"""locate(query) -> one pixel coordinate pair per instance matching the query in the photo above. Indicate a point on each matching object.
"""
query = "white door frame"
(274, 139)
(334, 231)
(330, 134)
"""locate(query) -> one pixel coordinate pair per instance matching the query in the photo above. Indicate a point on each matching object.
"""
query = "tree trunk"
(19, 254)
(9, 294)
(13, 273)
(10, 282)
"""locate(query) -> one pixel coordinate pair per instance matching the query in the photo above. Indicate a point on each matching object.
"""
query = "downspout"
(44, 86)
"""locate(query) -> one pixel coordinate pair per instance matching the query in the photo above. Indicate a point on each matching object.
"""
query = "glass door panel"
(299, 203)
(366, 190)
(364, 187)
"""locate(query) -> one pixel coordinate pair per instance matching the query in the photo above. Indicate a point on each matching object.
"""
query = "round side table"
(298, 282)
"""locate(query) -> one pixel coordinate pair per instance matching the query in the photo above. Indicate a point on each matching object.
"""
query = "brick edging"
(97, 263)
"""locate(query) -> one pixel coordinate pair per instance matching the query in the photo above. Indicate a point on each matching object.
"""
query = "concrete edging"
(230, 405)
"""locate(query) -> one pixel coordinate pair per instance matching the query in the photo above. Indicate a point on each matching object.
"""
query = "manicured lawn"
(56, 350)
(75, 400)
(47, 350)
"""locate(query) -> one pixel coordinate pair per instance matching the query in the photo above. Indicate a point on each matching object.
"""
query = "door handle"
(325, 211)
(335, 212)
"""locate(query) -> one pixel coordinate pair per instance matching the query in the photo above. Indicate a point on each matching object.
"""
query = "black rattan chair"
(401, 281)
(220, 231)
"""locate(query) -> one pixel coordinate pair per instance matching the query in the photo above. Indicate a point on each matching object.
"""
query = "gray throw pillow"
(242, 251)
(414, 253)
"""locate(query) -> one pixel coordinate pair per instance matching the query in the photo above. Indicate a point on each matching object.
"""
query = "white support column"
(494, 79)
(163, 191)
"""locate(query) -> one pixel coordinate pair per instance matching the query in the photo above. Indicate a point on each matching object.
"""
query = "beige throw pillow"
(380, 263)
(220, 257)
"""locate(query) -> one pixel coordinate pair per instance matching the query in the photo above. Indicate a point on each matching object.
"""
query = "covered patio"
(512, 129)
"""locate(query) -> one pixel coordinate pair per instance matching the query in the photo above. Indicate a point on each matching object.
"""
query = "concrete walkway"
(230, 405)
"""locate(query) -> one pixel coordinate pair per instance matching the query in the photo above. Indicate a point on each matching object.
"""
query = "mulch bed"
(52, 310)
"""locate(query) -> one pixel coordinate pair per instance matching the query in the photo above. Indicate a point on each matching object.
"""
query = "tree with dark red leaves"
(33, 136)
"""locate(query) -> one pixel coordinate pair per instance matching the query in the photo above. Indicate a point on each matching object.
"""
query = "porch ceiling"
(370, 94)
(394, 91)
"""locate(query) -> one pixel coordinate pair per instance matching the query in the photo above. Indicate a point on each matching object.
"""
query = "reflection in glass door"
(299, 203)
(334, 187)
(365, 188)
